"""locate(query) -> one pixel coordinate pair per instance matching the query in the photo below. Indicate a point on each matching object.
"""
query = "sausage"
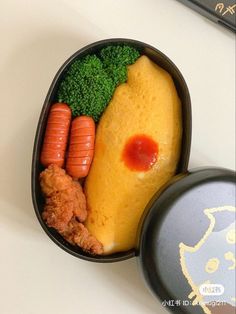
(81, 147)
(56, 135)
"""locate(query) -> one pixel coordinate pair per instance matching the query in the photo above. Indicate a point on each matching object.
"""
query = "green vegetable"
(115, 60)
(86, 88)
(89, 83)
(118, 55)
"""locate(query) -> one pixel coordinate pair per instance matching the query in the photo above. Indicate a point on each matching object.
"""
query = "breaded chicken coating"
(78, 234)
(64, 198)
(65, 208)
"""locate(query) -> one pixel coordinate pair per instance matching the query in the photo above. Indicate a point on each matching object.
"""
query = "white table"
(36, 38)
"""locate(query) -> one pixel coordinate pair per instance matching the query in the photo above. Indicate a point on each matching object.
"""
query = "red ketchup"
(140, 153)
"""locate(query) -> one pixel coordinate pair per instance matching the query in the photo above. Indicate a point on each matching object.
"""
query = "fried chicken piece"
(64, 198)
(78, 234)
(57, 212)
(65, 204)
(54, 179)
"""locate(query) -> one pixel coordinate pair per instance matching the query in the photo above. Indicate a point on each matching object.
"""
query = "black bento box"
(183, 92)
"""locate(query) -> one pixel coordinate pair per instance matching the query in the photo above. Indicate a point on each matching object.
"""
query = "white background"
(36, 37)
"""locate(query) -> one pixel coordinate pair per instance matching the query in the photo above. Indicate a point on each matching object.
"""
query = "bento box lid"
(186, 244)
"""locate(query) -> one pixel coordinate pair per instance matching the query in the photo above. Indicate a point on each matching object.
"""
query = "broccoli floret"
(115, 60)
(118, 55)
(89, 83)
(87, 87)
(117, 73)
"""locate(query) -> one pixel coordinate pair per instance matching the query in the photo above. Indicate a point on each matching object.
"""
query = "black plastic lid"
(187, 241)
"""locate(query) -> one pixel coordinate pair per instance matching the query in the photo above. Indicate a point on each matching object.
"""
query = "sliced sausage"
(56, 135)
(81, 147)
